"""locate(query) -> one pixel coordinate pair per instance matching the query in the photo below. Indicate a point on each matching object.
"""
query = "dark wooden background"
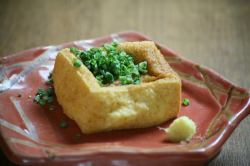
(213, 33)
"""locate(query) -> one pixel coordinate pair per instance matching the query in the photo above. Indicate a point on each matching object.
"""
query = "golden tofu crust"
(97, 109)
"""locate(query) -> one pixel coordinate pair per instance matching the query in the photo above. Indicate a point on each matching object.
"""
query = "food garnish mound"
(181, 129)
(116, 86)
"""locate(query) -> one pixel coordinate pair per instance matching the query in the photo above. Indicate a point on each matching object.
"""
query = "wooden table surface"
(212, 33)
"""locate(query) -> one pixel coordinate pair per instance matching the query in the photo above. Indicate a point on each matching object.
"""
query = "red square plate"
(31, 135)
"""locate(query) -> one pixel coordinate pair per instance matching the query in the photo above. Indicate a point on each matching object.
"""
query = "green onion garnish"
(44, 96)
(74, 51)
(50, 80)
(186, 102)
(77, 63)
(142, 67)
(63, 124)
(109, 64)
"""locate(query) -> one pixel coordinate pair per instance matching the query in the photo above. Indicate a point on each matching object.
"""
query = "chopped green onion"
(42, 102)
(77, 63)
(50, 99)
(50, 80)
(109, 78)
(75, 51)
(142, 67)
(186, 102)
(137, 81)
(126, 80)
(109, 47)
(50, 91)
(109, 64)
(63, 124)
(115, 43)
(44, 97)
(41, 92)
(100, 79)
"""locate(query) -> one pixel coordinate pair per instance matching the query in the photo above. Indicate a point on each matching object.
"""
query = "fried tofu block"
(96, 109)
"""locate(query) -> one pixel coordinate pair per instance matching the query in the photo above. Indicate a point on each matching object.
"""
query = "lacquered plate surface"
(31, 135)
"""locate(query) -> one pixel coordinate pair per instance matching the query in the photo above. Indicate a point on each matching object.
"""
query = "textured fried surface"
(97, 109)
